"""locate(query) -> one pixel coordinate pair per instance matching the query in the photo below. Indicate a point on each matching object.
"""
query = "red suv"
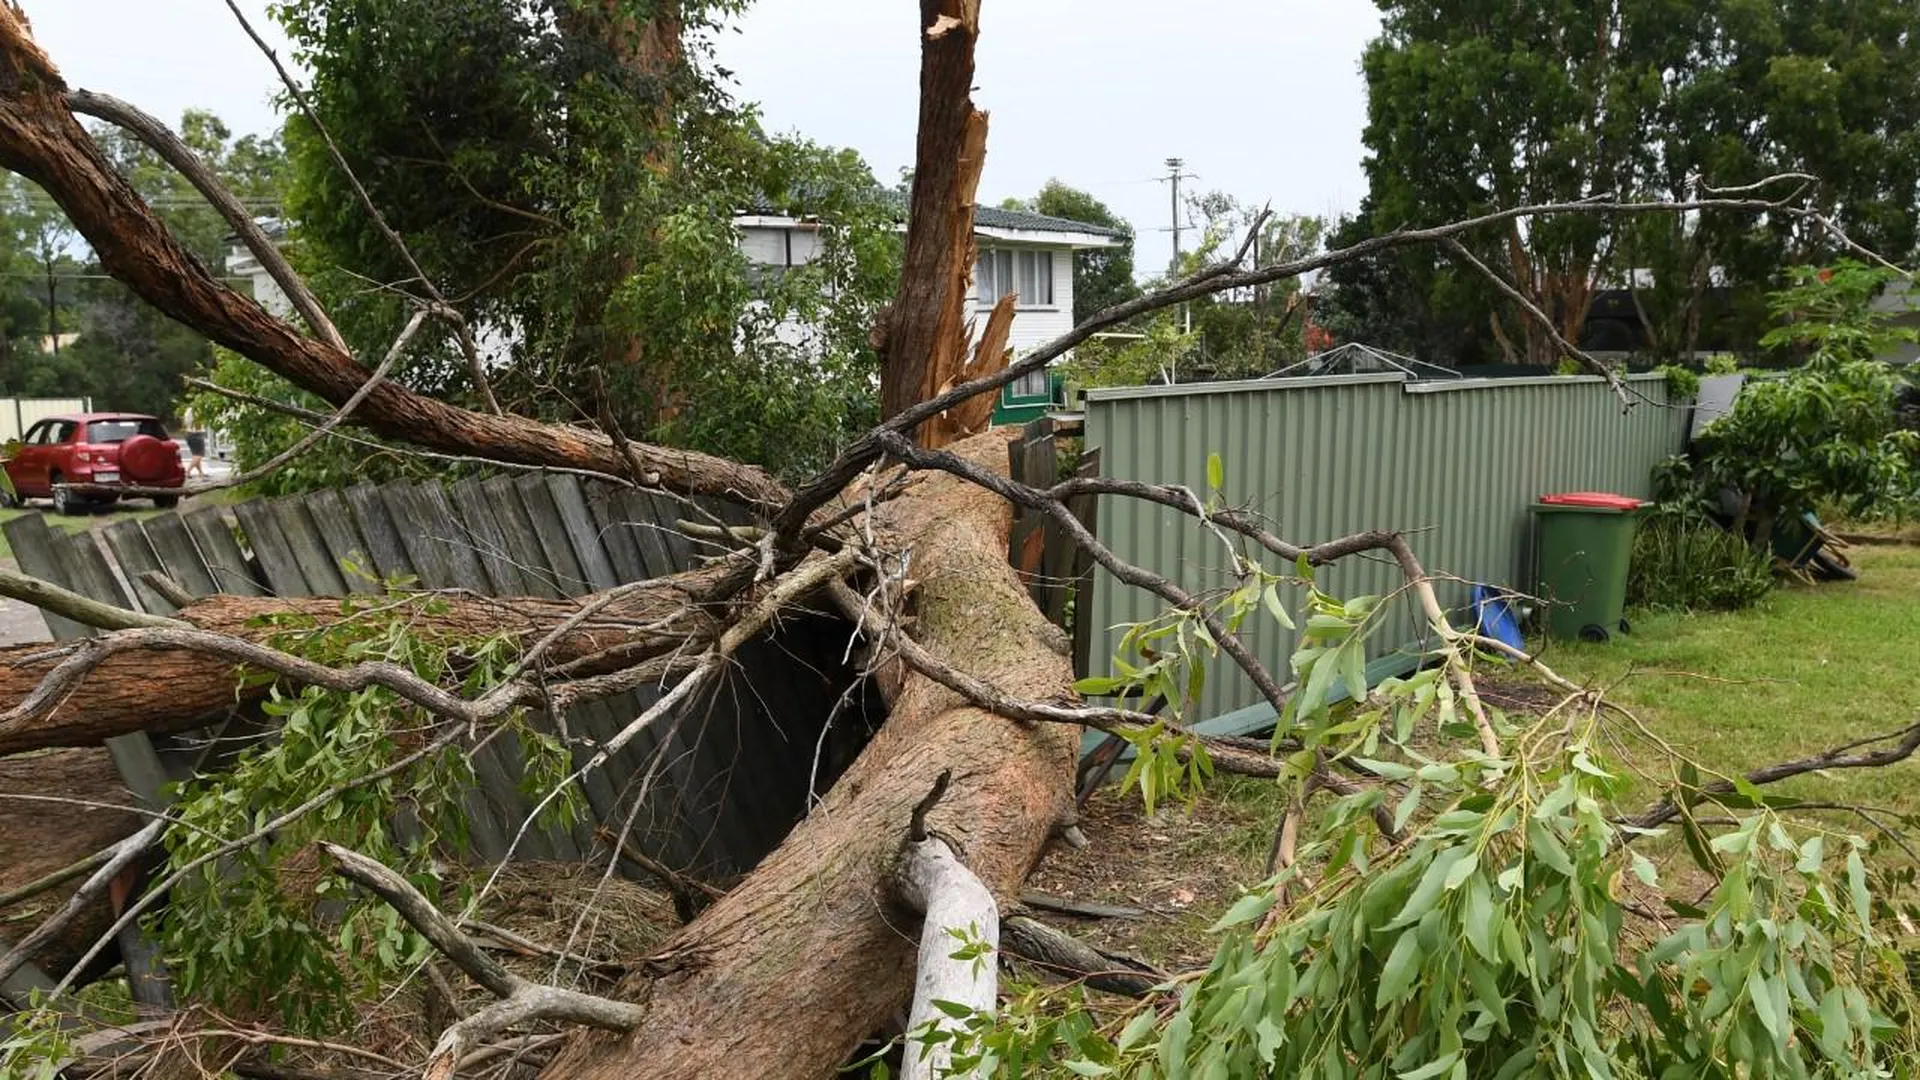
(95, 448)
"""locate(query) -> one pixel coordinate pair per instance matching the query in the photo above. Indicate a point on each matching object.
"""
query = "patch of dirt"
(1180, 868)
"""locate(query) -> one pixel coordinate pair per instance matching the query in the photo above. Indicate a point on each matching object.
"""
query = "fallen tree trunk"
(162, 690)
(814, 950)
(38, 838)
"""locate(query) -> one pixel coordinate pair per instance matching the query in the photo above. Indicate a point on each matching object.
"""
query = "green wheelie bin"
(1583, 546)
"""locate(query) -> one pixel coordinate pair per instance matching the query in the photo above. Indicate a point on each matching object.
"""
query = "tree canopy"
(568, 175)
(1473, 105)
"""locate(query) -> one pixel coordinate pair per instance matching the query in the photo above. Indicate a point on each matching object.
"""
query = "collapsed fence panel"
(1453, 465)
(707, 789)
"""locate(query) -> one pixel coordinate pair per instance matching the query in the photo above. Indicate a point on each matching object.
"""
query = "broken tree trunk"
(38, 838)
(41, 140)
(118, 697)
(958, 916)
(921, 337)
(815, 949)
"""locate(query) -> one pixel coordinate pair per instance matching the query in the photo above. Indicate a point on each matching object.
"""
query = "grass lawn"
(1807, 669)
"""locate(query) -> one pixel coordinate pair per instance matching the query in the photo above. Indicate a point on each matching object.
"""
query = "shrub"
(1682, 560)
(1828, 430)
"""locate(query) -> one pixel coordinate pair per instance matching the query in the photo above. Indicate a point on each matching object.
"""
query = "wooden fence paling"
(76, 562)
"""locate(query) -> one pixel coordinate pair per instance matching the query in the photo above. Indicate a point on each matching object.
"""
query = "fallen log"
(38, 838)
(815, 945)
(173, 689)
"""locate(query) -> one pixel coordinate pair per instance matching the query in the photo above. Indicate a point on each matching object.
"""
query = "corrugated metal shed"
(1454, 465)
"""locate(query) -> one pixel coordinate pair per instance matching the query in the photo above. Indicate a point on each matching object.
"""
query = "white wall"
(19, 414)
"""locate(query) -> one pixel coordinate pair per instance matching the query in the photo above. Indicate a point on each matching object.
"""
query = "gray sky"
(1263, 98)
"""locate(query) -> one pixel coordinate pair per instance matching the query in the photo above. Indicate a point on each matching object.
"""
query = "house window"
(1034, 385)
(1005, 270)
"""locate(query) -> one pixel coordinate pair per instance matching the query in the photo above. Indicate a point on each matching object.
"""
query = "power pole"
(1174, 165)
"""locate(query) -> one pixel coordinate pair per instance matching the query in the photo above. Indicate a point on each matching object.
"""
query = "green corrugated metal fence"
(1454, 465)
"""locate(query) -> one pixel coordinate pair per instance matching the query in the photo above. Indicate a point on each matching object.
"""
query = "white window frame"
(1021, 389)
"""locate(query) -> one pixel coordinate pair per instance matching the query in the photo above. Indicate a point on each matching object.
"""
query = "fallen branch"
(1079, 908)
(1839, 757)
(1061, 953)
(521, 1002)
(84, 610)
(958, 914)
(102, 687)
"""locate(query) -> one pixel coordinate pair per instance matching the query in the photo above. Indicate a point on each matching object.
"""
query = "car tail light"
(82, 456)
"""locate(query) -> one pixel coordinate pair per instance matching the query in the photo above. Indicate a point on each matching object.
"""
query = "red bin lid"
(1598, 500)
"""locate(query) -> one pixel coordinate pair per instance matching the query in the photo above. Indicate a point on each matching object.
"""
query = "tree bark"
(814, 950)
(163, 690)
(38, 838)
(41, 140)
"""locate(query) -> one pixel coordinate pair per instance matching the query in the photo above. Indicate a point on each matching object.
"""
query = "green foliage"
(569, 175)
(266, 926)
(1683, 384)
(1160, 353)
(1827, 431)
(1492, 938)
(35, 1043)
(1683, 560)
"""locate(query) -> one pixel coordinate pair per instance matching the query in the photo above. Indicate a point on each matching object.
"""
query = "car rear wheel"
(165, 502)
(66, 501)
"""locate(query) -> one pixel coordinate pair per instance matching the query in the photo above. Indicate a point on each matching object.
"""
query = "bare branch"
(1568, 348)
(84, 610)
(123, 855)
(57, 878)
(1839, 757)
(521, 1001)
(1033, 499)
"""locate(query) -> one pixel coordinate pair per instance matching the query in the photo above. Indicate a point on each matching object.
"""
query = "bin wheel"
(1594, 632)
(1626, 627)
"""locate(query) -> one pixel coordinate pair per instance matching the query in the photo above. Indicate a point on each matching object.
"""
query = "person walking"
(196, 444)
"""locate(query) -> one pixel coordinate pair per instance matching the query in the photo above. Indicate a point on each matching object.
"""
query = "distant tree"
(1247, 333)
(127, 355)
(1474, 104)
(1414, 301)
(1102, 277)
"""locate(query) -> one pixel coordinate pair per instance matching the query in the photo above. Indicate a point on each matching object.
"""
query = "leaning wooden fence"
(1058, 572)
(724, 783)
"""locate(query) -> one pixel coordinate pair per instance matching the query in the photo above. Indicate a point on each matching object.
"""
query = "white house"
(1030, 255)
